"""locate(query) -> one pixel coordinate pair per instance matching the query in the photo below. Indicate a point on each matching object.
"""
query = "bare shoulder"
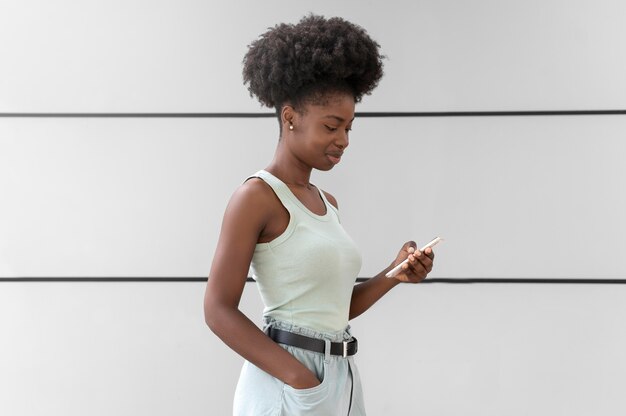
(255, 212)
(331, 199)
(255, 188)
(254, 194)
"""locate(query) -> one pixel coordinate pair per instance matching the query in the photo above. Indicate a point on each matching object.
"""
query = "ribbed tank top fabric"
(306, 275)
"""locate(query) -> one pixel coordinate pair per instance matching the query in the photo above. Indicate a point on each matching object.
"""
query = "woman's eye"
(331, 128)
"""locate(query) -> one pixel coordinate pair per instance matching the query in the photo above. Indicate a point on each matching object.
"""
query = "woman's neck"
(289, 170)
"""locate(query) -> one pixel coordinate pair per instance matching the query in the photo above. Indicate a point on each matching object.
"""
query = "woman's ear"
(288, 117)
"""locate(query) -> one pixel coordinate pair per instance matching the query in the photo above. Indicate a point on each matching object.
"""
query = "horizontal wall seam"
(448, 280)
(365, 114)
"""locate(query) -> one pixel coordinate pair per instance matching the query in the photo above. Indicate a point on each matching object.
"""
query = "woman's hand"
(306, 380)
(418, 266)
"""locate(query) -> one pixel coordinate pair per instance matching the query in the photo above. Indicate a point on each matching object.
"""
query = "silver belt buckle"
(345, 349)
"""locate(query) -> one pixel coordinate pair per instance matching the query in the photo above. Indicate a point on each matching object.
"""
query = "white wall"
(513, 196)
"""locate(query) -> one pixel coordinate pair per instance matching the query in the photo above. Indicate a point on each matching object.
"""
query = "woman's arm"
(364, 295)
(247, 214)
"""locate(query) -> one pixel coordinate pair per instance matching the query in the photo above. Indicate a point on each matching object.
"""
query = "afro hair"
(303, 62)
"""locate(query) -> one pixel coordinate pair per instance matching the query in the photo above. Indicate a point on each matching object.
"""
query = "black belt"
(344, 349)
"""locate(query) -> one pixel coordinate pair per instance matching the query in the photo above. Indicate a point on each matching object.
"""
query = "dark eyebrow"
(339, 119)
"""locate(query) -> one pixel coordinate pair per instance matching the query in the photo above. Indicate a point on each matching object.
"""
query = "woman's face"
(320, 132)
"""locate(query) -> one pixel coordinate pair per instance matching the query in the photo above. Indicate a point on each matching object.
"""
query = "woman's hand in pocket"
(305, 380)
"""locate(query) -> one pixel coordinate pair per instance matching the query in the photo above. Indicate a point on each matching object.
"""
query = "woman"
(288, 230)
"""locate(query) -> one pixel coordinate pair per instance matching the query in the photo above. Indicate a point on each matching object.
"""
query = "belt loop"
(327, 351)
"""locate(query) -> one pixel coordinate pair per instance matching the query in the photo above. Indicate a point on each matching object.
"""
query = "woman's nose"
(343, 141)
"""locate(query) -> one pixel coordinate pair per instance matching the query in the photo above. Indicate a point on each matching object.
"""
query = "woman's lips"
(334, 158)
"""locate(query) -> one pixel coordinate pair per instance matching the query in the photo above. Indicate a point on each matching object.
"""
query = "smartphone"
(396, 270)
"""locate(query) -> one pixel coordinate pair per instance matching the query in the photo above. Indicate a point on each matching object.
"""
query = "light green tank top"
(306, 274)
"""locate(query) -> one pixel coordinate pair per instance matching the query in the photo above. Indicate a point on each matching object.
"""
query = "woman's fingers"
(418, 266)
(424, 260)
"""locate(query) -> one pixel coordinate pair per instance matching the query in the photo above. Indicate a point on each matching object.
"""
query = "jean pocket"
(315, 390)
(313, 401)
(310, 390)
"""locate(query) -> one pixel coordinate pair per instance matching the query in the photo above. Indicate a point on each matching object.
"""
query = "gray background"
(514, 197)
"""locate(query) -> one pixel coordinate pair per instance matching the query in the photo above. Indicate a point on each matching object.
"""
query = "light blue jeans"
(260, 394)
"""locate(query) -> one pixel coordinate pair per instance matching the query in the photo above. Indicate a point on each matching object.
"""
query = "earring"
(291, 127)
